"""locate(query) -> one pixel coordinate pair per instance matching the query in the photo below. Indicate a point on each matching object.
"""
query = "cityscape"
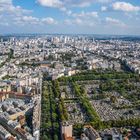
(64, 78)
(76, 87)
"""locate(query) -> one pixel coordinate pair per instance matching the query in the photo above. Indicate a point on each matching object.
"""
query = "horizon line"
(10, 34)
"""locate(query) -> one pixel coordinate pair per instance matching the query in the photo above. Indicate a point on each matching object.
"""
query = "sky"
(116, 17)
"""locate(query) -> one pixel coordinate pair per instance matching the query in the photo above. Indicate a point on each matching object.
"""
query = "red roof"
(15, 93)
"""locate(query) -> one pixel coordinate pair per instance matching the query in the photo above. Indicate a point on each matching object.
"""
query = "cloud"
(2, 2)
(34, 20)
(103, 8)
(4, 23)
(83, 14)
(64, 9)
(49, 20)
(51, 3)
(103, 1)
(55, 4)
(67, 22)
(114, 21)
(81, 4)
(25, 20)
(7, 7)
(124, 6)
(77, 21)
(66, 5)
(85, 3)
(16, 15)
(11, 13)
(83, 19)
(69, 3)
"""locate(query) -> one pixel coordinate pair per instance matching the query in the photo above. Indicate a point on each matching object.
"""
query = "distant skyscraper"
(1, 40)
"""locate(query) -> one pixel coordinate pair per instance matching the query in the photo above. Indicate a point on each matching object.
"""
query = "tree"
(11, 54)
(45, 137)
(55, 137)
(113, 99)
